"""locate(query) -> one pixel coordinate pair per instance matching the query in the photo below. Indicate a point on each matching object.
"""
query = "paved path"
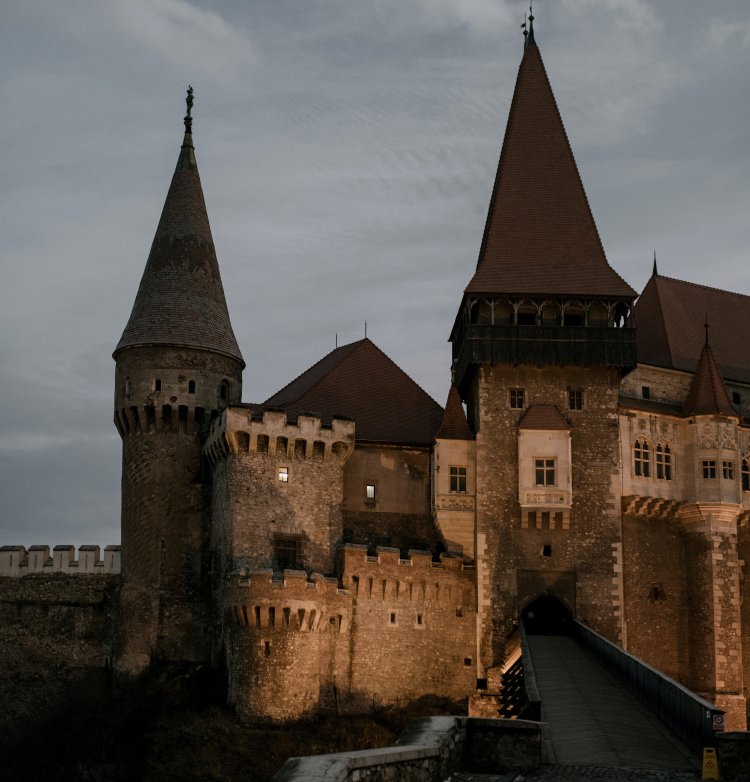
(592, 721)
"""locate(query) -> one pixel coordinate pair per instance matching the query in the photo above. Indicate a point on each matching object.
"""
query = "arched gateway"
(547, 615)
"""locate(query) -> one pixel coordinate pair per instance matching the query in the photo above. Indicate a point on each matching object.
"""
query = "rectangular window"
(287, 552)
(370, 495)
(517, 398)
(727, 471)
(709, 468)
(645, 392)
(663, 462)
(458, 480)
(544, 471)
(575, 399)
(284, 474)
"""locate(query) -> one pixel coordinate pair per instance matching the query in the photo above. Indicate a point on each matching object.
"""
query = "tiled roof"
(651, 406)
(543, 417)
(180, 301)
(359, 381)
(540, 236)
(708, 394)
(454, 426)
(669, 318)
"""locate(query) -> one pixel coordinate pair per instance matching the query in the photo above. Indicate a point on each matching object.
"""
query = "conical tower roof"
(180, 301)
(540, 236)
(708, 394)
(454, 425)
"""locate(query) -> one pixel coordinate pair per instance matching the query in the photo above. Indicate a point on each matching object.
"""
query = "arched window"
(223, 391)
(663, 462)
(745, 472)
(642, 454)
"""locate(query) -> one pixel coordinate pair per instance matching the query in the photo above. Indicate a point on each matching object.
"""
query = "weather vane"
(189, 101)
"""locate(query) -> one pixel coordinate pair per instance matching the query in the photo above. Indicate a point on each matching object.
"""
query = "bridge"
(588, 710)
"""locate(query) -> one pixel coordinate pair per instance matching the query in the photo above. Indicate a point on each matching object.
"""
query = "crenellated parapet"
(18, 561)
(258, 601)
(388, 578)
(238, 430)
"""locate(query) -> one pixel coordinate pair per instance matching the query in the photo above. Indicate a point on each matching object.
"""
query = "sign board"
(718, 723)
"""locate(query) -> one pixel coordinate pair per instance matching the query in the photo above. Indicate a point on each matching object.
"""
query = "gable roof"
(669, 318)
(540, 236)
(180, 300)
(543, 417)
(359, 381)
(708, 394)
(454, 425)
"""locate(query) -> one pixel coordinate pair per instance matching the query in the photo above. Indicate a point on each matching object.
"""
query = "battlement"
(295, 603)
(18, 561)
(150, 418)
(238, 431)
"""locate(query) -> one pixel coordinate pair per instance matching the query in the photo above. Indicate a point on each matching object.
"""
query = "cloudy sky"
(347, 151)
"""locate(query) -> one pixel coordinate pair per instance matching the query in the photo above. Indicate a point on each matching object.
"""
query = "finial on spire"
(530, 40)
(525, 31)
(189, 101)
(705, 326)
(655, 272)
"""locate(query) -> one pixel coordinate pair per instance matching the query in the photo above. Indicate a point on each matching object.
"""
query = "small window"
(544, 471)
(546, 550)
(157, 384)
(736, 398)
(656, 593)
(575, 399)
(645, 392)
(392, 617)
(745, 475)
(284, 474)
(267, 648)
(663, 462)
(642, 458)
(191, 386)
(420, 620)
(128, 386)
(727, 470)
(370, 495)
(287, 552)
(467, 663)
(517, 398)
(224, 391)
(709, 468)
(458, 480)
(459, 611)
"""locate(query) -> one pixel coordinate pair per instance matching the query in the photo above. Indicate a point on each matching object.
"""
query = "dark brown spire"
(454, 426)
(540, 236)
(708, 394)
(180, 301)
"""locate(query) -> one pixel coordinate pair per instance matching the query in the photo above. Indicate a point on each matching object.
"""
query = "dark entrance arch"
(547, 615)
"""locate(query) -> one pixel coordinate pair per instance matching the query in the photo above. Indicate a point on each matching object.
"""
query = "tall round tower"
(177, 364)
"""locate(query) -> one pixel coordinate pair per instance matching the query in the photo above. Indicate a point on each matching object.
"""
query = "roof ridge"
(385, 355)
(350, 345)
(706, 287)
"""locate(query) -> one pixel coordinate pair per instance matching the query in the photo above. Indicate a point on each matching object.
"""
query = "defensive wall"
(387, 630)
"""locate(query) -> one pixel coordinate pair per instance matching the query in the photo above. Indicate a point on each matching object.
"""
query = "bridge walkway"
(592, 719)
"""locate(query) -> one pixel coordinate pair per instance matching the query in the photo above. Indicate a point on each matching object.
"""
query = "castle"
(349, 542)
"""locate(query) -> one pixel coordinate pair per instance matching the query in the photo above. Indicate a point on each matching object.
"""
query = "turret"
(178, 365)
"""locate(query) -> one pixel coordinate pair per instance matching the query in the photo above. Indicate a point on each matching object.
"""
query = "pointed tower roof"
(540, 236)
(708, 394)
(454, 426)
(180, 301)
(359, 381)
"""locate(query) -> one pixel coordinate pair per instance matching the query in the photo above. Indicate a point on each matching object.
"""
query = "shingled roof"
(669, 317)
(454, 425)
(359, 381)
(544, 417)
(180, 301)
(540, 236)
(708, 394)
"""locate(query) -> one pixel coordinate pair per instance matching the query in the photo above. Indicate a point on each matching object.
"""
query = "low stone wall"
(430, 749)
(734, 755)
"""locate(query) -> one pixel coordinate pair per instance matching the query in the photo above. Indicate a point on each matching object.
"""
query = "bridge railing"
(532, 709)
(688, 715)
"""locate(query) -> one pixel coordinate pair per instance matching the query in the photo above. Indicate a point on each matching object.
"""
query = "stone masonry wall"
(588, 551)
(402, 629)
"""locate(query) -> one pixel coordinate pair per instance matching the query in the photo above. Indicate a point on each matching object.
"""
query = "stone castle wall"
(400, 629)
(583, 562)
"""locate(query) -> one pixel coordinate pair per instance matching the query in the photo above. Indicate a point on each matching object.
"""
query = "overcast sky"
(347, 151)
